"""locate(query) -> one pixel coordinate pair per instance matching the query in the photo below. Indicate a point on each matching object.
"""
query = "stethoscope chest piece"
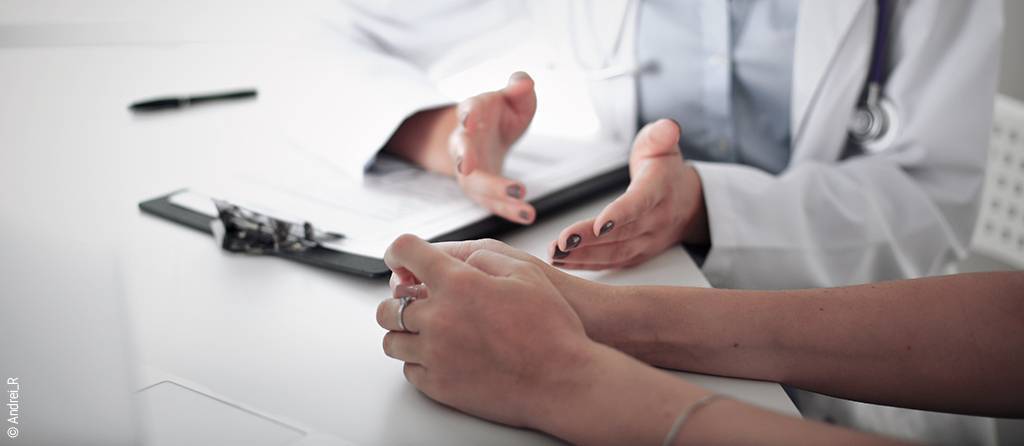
(874, 126)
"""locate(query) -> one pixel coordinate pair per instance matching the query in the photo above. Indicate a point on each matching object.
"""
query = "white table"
(294, 342)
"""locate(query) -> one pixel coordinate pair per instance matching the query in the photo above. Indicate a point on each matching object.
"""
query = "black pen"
(167, 103)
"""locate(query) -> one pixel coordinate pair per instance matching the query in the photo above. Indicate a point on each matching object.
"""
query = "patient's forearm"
(952, 343)
(617, 400)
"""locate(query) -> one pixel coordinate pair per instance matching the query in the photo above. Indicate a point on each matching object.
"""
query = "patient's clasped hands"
(489, 333)
(502, 335)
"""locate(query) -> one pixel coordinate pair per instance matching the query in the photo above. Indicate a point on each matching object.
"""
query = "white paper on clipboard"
(396, 197)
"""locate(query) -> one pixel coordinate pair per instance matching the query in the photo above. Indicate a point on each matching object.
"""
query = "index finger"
(500, 195)
(426, 262)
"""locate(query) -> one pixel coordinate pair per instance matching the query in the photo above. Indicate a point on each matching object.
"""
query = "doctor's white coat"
(833, 217)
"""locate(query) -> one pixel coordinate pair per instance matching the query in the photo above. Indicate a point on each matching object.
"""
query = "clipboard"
(372, 267)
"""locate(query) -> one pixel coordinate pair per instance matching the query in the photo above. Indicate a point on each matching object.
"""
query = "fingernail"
(558, 264)
(405, 290)
(458, 164)
(573, 241)
(607, 227)
(559, 254)
(524, 215)
(514, 191)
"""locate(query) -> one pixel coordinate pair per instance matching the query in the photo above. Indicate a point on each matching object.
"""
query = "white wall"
(1012, 80)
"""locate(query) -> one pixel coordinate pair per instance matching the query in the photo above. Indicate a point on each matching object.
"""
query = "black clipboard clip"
(238, 229)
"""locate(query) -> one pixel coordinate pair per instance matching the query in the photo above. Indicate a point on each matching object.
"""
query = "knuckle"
(404, 241)
(528, 268)
(408, 371)
(490, 243)
(420, 291)
(433, 354)
(441, 384)
(432, 319)
(438, 326)
(381, 313)
(463, 278)
(475, 256)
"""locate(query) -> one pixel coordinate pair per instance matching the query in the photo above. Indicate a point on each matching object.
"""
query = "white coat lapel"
(822, 26)
(605, 22)
(614, 28)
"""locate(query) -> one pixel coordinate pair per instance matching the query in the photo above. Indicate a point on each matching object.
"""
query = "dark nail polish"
(458, 164)
(524, 215)
(559, 254)
(607, 227)
(514, 191)
(573, 241)
(558, 264)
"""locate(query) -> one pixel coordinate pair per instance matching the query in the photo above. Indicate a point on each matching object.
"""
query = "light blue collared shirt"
(723, 69)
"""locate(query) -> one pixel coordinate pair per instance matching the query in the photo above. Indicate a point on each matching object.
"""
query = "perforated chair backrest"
(999, 232)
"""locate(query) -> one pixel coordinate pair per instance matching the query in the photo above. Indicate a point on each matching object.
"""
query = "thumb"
(520, 94)
(658, 138)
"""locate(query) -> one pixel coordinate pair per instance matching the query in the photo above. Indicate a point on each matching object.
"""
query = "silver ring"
(403, 302)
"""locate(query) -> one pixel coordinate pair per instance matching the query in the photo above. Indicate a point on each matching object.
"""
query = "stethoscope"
(873, 122)
(875, 117)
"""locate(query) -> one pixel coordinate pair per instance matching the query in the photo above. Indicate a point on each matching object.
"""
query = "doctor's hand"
(489, 335)
(471, 140)
(663, 206)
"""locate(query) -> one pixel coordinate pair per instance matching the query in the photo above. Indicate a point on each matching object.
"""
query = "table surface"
(293, 342)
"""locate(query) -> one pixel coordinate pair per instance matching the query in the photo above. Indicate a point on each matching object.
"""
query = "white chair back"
(999, 231)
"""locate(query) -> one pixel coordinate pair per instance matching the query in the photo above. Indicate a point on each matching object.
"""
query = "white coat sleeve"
(906, 212)
(378, 75)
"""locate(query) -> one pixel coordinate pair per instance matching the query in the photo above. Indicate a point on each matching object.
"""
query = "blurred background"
(1012, 81)
(294, 43)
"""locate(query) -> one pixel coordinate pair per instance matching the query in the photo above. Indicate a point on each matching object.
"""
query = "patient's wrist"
(618, 400)
(595, 303)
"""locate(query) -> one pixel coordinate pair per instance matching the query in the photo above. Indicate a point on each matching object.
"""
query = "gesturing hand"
(663, 205)
(489, 124)
(491, 335)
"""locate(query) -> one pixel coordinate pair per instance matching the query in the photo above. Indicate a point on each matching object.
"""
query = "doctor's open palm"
(663, 206)
(470, 141)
